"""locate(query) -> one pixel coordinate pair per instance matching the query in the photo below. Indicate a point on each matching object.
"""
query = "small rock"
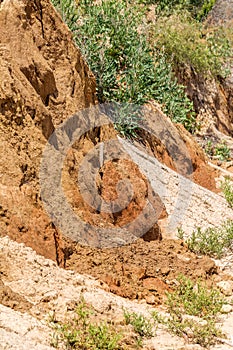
(226, 287)
(120, 320)
(37, 312)
(183, 258)
(226, 308)
(150, 299)
(50, 295)
(165, 271)
(155, 284)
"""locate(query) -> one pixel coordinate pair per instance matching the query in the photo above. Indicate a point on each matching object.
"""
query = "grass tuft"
(227, 189)
(81, 333)
(214, 241)
(192, 312)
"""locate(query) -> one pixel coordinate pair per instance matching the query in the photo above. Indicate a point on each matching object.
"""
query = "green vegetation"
(141, 324)
(227, 189)
(213, 242)
(187, 42)
(220, 151)
(194, 299)
(201, 304)
(197, 8)
(127, 69)
(81, 333)
(134, 62)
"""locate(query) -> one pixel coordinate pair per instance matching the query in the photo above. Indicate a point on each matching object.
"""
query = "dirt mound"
(44, 81)
(56, 291)
(142, 270)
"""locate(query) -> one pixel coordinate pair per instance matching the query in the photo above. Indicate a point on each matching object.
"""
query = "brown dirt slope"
(43, 80)
(142, 270)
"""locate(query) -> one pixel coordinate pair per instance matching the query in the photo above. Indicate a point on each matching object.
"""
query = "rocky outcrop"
(212, 101)
(222, 15)
(188, 205)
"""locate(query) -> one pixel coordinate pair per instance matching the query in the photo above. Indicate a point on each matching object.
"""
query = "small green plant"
(222, 151)
(141, 324)
(227, 189)
(201, 304)
(204, 334)
(180, 233)
(207, 5)
(81, 333)
(213, 241)
(209, 148)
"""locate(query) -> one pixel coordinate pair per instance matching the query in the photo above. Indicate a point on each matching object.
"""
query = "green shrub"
(194, 299)
(186, 42)
(199, 9)
(204, 9)
(222, 151)
(112, 37)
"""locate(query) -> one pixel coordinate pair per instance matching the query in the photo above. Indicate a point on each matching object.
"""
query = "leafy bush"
(220, 151)
(194, 299)
(186, 42)
(113, 40)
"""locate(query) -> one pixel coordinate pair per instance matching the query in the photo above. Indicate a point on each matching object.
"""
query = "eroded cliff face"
(212, 98)
(44, 80)
(212, 101)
